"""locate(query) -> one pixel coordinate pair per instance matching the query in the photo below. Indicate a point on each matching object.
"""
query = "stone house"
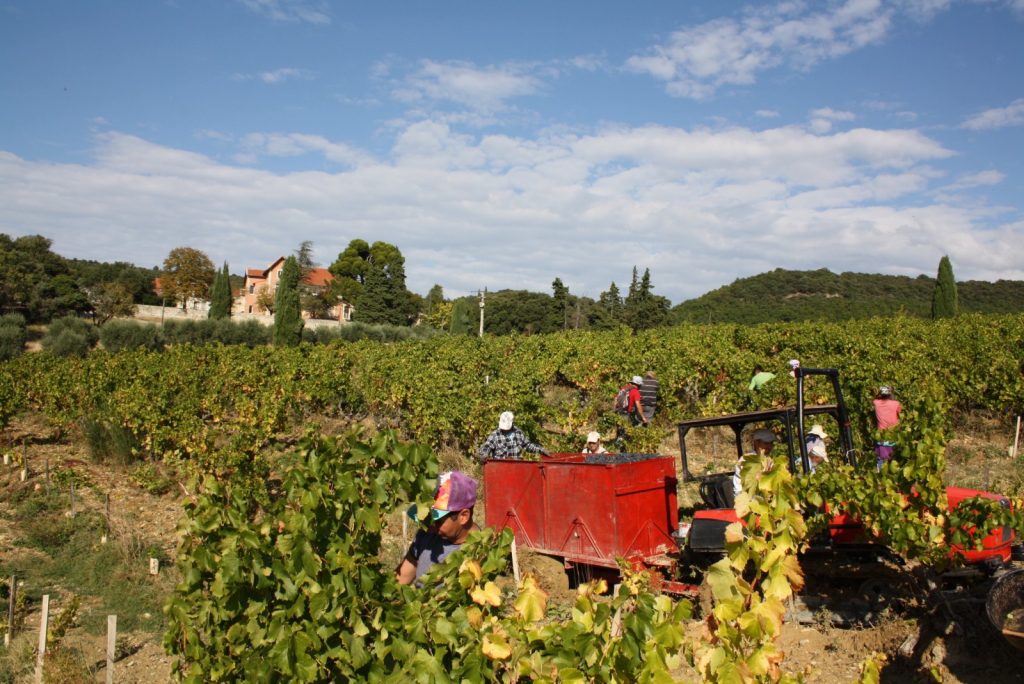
(258, 281)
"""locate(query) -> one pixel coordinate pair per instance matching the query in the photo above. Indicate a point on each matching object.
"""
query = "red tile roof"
(319, 277)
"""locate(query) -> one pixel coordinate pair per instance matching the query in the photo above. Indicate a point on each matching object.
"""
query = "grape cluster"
(615, 459)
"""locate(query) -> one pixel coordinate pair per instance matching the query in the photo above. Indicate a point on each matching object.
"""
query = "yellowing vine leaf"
(532, 601)
(734, 533)
(487, 595)
(471, 566)
(496, 647)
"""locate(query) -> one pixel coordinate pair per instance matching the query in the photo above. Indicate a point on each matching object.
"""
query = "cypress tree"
(642, 308)
(220, 295)
(373, 305)
(945, 302)
(287, 315)
(462, 321)
(558, 315)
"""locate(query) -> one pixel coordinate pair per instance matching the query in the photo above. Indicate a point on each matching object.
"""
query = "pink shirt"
(887, 413)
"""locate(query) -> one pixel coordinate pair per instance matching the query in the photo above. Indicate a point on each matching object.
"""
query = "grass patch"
(113, 577)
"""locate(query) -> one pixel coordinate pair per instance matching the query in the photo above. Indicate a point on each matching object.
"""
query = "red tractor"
(590, 510)
(845, 535)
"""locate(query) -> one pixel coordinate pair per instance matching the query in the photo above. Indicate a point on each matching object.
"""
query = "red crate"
(585, 512)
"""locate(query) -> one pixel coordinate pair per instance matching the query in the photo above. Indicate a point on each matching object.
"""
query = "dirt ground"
(947, 640)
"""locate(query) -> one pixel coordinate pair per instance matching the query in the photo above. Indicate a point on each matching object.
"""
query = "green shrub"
(70, 336)
(151, 478)
(13, 336)
(353, 332)
(188, 332)
(225, 331)
(118, 335)
(250, 333)
(109, 442)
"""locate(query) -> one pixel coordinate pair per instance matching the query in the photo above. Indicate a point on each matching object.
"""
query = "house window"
(252, 287)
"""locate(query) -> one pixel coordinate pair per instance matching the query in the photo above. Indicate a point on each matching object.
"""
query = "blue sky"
(500, 145)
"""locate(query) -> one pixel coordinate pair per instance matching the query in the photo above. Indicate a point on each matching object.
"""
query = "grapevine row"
(201, 402)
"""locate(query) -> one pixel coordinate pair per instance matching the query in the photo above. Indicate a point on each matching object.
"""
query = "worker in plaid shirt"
(507, 442)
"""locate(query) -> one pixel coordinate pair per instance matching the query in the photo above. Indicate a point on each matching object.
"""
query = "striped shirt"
(649, 393)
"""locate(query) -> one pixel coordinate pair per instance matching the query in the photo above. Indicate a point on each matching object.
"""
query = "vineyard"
(284, 529)
(212, 405)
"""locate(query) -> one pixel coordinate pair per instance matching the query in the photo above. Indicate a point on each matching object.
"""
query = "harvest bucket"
(1005, 607)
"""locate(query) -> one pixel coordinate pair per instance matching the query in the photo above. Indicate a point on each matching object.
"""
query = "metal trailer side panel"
(582, 511)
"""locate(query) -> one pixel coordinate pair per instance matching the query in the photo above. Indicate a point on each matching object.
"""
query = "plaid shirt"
(506, 444)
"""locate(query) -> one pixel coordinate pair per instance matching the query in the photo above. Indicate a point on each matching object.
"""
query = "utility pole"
(483, 294)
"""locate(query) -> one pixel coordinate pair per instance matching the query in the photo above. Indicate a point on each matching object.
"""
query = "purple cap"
(456, 491)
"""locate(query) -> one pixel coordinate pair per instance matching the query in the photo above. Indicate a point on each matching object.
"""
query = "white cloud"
(700, 207)
(257, 145)
(833, 115)
(485, 88)
(976, 180)
(304, 11)
(697, 61)
(822, 119)
(277, 75)
(1001, 117)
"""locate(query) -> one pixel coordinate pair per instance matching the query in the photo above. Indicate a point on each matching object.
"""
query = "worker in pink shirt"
(887, 415)
(887, 409)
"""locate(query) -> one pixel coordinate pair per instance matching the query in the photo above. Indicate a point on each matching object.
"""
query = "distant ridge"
(782, 295)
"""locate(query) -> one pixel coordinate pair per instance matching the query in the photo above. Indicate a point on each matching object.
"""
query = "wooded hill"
(782, 295)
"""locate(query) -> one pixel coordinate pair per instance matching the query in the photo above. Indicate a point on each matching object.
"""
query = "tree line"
(821, 295)
(41, 285)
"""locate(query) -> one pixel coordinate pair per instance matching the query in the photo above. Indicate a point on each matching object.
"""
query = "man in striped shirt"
(649, 395)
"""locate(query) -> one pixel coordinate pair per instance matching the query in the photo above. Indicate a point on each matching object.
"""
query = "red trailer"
(588, 509)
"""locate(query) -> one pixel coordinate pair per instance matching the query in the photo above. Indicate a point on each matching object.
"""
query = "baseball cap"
(456, 491)
(764, 435)
(818, 430)
(637, 380)
(505, 420)
(593, 437)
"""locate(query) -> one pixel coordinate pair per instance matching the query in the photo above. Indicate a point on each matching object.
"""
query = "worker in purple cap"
(450, 522)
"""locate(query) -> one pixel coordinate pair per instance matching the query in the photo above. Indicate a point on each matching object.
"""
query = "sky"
(504, 144)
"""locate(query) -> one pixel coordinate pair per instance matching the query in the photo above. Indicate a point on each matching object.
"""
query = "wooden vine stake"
(106, 518)
(12, 594)
(515, 562)
(111, 646)
(44, 619)
(1016, 439)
